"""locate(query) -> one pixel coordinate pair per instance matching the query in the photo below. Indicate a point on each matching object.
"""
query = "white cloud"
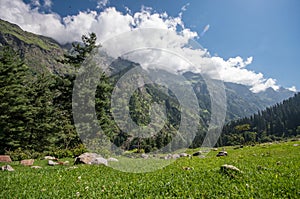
(35, 2)
(184, 8)
(47, 3)
(110, 23)
(102, 3)
(293, 89)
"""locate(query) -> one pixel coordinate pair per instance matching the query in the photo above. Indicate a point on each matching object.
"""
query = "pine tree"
(15, 108)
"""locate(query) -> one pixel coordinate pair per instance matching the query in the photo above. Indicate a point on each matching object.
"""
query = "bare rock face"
(5, 158)
(7, 168)
(27, 162)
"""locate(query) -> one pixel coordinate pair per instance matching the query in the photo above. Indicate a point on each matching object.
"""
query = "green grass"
(269, 171)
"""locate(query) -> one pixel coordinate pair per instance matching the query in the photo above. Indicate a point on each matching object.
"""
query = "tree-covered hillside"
(37, 79)
(274, 123)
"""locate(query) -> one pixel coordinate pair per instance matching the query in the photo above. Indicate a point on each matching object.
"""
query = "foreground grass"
(269, 171)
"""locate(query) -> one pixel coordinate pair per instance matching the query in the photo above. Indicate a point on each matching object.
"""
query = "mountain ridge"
(41, 54)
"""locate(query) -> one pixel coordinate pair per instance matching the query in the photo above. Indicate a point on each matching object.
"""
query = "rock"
(215, 149)
(296, 145)
(222, 153)
(73, 167)
(227, 167)
(197, 153)
(28, 162)
(5, 158)
(100, 160)
(52, 163)
(187, 168)
(112, 160)
(87, 158)
(36, 167)
(62, 163)
(7, 168)
(145, 156)
(50, 158)
(169, 156)
(66, 163)
(175, 156)
(183, 155)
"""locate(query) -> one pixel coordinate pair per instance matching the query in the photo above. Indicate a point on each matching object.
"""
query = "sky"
(251, 42)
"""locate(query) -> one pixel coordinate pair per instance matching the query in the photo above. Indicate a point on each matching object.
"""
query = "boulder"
(227, 167)
(50, 158)
(100, 160)
(7, 168)
(222, 153)
(52, 163)
(112, 160)
(183, 155)
(36, 167)
(175, 156)
(187, 168)
(5, 158)
(145, 156)
(87, 158)
(197, 153)
(66, 163)
(169, 156)
(28, 162)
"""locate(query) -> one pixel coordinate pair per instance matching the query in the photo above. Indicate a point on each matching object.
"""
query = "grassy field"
(268, 171)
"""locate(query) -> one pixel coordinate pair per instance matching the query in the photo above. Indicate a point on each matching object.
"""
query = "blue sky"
(266, 30)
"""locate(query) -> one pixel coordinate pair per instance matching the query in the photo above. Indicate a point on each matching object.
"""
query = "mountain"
(274, 123)
(40, 53)
(52, 87)
(241, 102)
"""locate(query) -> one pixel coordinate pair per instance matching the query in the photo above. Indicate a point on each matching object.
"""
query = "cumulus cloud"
(102, 3)
(293, 89)
(35, 2)
(47, 3)
(109, 23)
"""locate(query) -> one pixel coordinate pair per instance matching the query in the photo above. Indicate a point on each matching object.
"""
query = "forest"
(36, 111)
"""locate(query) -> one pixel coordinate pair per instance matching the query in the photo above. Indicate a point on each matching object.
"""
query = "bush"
(68, 153)
(21, 154)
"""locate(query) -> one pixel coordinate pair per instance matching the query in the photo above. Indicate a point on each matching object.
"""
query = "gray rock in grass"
(7, 168)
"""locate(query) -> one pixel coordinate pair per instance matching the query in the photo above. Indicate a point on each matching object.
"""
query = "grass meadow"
(269, 170)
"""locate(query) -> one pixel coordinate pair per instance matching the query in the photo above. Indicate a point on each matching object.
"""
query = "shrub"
(21, 154)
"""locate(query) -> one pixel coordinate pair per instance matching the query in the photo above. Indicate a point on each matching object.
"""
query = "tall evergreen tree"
(15, 108)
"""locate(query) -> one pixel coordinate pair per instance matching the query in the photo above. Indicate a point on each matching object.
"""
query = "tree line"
(275, 123)
(36, 112)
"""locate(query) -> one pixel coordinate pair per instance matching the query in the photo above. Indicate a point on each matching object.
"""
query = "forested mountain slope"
(274, 123)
